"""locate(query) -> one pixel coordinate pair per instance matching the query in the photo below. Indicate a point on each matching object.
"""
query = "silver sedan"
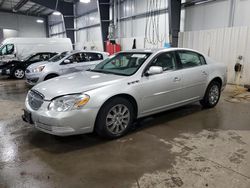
(130, 85)
(64, 63)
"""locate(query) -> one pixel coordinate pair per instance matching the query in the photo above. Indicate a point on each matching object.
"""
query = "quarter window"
(190, 59)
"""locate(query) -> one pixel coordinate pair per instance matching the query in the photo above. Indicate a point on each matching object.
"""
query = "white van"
(19, 48)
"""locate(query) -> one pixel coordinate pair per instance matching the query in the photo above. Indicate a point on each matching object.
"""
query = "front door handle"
(177, 79)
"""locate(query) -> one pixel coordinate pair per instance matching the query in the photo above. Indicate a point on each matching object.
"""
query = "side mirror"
(66, 61)
(154, 70)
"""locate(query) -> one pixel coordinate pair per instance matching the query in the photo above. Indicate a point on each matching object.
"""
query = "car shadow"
(56, 144)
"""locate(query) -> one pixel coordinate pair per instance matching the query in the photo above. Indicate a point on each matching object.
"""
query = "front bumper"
(63, 123)
(4, 72)
(33, 79)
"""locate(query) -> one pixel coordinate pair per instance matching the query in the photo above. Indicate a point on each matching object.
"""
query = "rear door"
(194, 71)
(161, 91)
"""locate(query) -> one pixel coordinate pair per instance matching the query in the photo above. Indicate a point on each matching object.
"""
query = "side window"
(76, 58)
(52, 55)
(7, 49)
(71, 58)
(10, 48)
(35, 58)
(4, 50)
(203, 61)
(189, 59)
(94, 56)
(44, 57)
(165, 60)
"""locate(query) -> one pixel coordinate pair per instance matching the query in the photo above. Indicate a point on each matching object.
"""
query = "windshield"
(126, 63)
(58, 57)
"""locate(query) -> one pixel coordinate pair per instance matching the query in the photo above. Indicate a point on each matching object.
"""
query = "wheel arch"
(13, 69)
(51, 73)
(126, 96)
(217, 79)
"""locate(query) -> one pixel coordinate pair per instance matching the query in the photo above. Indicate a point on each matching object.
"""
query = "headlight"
(69, 102)
(38, 69)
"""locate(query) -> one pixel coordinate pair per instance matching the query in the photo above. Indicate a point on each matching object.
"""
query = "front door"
(72, 65)
(161, 91)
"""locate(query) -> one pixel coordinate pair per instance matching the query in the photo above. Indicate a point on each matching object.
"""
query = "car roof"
(88, 51)
(44, 53)
(155, 50)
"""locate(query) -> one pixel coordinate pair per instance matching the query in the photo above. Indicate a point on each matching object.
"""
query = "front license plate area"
(27, 117)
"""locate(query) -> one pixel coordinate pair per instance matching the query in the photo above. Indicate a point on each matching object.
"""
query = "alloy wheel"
(19, 73)
(214, 94)
(118, 119)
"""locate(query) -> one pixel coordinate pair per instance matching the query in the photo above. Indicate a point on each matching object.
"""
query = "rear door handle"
(176, 79)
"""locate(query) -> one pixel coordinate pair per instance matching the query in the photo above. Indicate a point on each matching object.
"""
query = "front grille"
(32, 80)
(35, 99)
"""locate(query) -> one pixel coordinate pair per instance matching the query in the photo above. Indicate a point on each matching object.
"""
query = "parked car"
(16, 69)
(19, 48)
(64, 63)
(131, 85)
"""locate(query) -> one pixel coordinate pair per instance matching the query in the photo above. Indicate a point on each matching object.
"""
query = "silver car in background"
(64, 63)
(128, 86)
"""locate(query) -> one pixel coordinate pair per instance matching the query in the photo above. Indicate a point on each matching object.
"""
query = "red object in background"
(112, 47)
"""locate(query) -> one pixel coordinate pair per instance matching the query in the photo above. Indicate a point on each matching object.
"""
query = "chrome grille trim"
(35, 99)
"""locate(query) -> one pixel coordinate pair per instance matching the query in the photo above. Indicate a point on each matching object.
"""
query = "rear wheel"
(115, 118)
(50, 76)
(212, 95)
(18, 73)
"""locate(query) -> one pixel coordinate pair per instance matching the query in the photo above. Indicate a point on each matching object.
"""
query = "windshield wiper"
(100, 71)
(107, 72)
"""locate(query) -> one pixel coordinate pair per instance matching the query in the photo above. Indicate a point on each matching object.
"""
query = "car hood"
(75, 83)
(34, 65)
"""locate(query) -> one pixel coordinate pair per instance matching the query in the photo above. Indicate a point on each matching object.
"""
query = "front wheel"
(18, 73)
(212, 95)
(115, 118)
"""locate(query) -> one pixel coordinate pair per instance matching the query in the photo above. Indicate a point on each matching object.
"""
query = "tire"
(50, 76)
(110, 122)
(212, 95)
(18, 73)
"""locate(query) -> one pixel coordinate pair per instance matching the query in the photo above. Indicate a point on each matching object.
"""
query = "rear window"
(190, 59)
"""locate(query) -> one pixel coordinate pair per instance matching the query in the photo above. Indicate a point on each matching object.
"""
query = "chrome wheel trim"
(19, 73)
(214, 94)
(118, 119)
